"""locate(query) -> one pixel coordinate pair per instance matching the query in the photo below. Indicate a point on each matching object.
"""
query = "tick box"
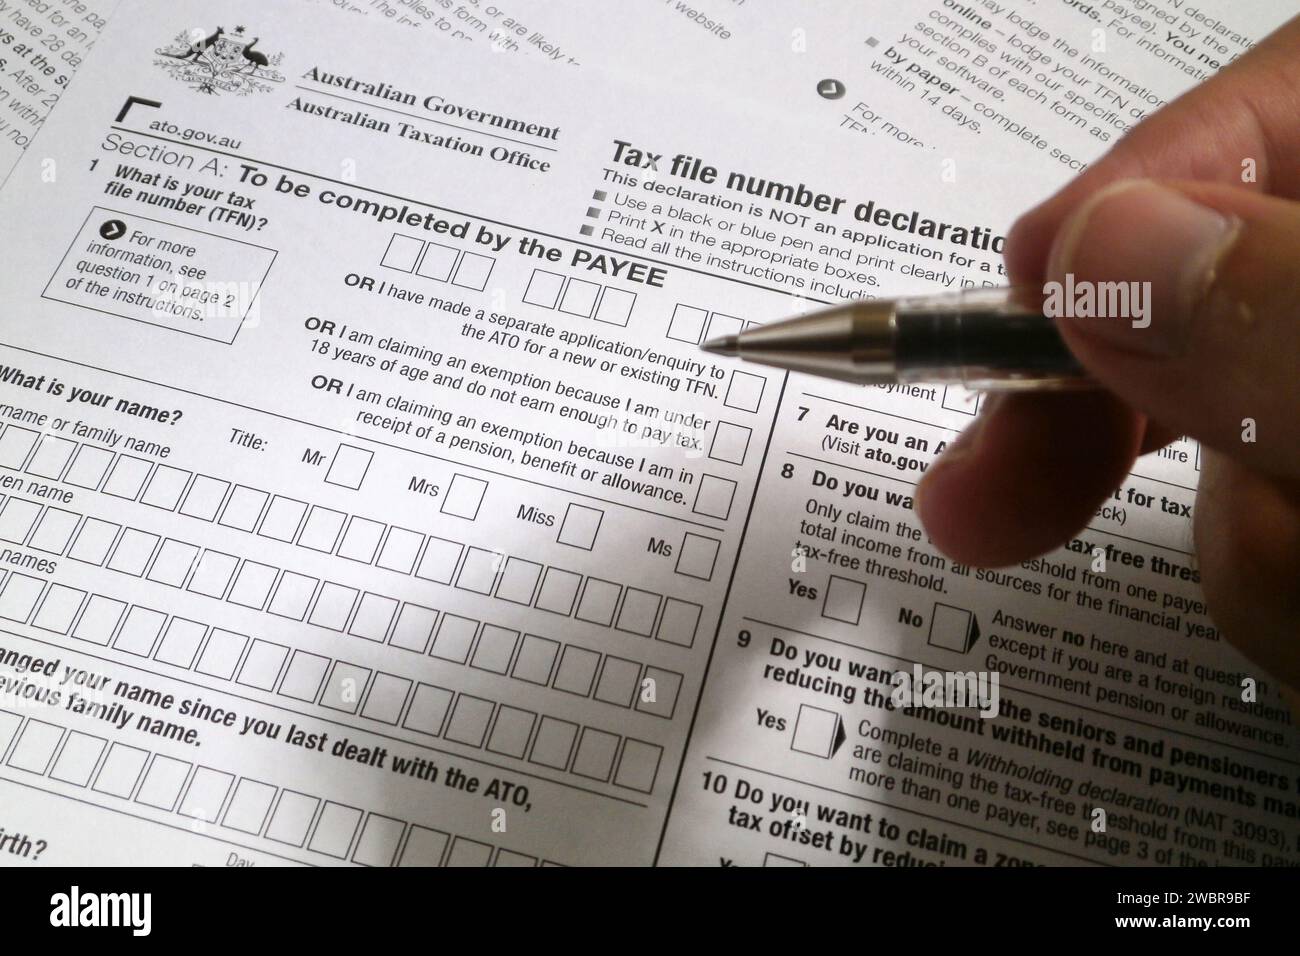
(952, 628)
(818, 732)
(579, 298)
(580, 526)
(615, 306)
(960, 400)
(437, 262)
(730, 442)
(720, 325)
(714, 497)
(843, 601)
(697, 556)
(349, 467)
(402, 252)
(745, 392)
(15, 444)
(464, 496)
(473, 271)
(544, 289)
(687, 324)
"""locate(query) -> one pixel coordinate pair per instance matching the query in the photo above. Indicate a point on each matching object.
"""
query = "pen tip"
(723, 345)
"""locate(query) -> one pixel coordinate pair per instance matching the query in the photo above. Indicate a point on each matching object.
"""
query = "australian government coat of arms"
(218, 61)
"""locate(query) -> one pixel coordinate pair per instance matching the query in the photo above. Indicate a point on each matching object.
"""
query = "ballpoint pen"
(984, 339)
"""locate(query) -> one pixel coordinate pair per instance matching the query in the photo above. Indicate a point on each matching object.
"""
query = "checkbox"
(543, 289)
(511, 731)
(618, 681)
(698, 556)
(518, 581)
(252, 585)
(598, 602)
(580, 526)
(99, 620)
(89, 467)
(345, 687)
(163, 782)
(952, 628)
(212, 574)
(438, 563)
(558, 592)
(282, 519)
(679, 622)
(35, 747)
(292, 597)
(361, 539)
(165, 487)
(333, 606)
(577, 671)
(379, 841)
(730, 442)
(127, 477)
(464, 496)
(424, 847)
(321, 530)
(221, 654)
(536, 659)
(205, 794)
(76, 761)
(479, 571)
(843, 601)
(401, 548)
(428, 709)
(745, 392)
(19, 595)
(957, 399)
(15, 445)
(659, 689)
(687, 324)
(386, 698)
(17, 518)
(638, 765)
(714, 497)
(243, 508)
(455, 636)
(173, 563)
(595, 755)
(261, 668)
(59, 609)
(473, 271)
(469, 720)
(249, 806)
(139, 631)
(180, 643)
(93, 541)
(438, 262)
(51, 457)
(817, 731)
(720, 325)
(132, 552)
(402, 252)
(204, 498)
(468, 853)
(414, 627)
(120, 771)
(349, 467)
(335, 829)
(554, 743)
(374, 614)
(579, 298)
(615, 306)
(637, 615)
(304, 677)
(291, 818)
(54, 531)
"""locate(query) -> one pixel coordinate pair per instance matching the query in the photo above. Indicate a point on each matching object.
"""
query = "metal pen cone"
(723, 345)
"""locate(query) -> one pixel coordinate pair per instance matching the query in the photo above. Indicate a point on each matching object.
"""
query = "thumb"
(1183, 299)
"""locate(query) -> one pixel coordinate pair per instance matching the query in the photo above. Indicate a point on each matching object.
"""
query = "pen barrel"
(994, 339)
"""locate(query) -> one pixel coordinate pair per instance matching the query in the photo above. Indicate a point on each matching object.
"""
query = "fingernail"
(1132, 263)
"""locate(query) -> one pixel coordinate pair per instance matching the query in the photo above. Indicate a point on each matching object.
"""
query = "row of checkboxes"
(579, 297)
(436, 261)
(206, 795)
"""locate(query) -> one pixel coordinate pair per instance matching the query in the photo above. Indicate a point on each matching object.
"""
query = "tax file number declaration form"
(368, 500)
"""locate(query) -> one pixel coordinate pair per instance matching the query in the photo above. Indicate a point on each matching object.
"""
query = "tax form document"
(367, 499)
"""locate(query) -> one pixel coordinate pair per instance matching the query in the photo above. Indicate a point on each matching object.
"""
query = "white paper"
(532, 605)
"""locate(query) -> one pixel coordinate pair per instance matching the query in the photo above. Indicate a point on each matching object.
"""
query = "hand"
(1172, 204)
